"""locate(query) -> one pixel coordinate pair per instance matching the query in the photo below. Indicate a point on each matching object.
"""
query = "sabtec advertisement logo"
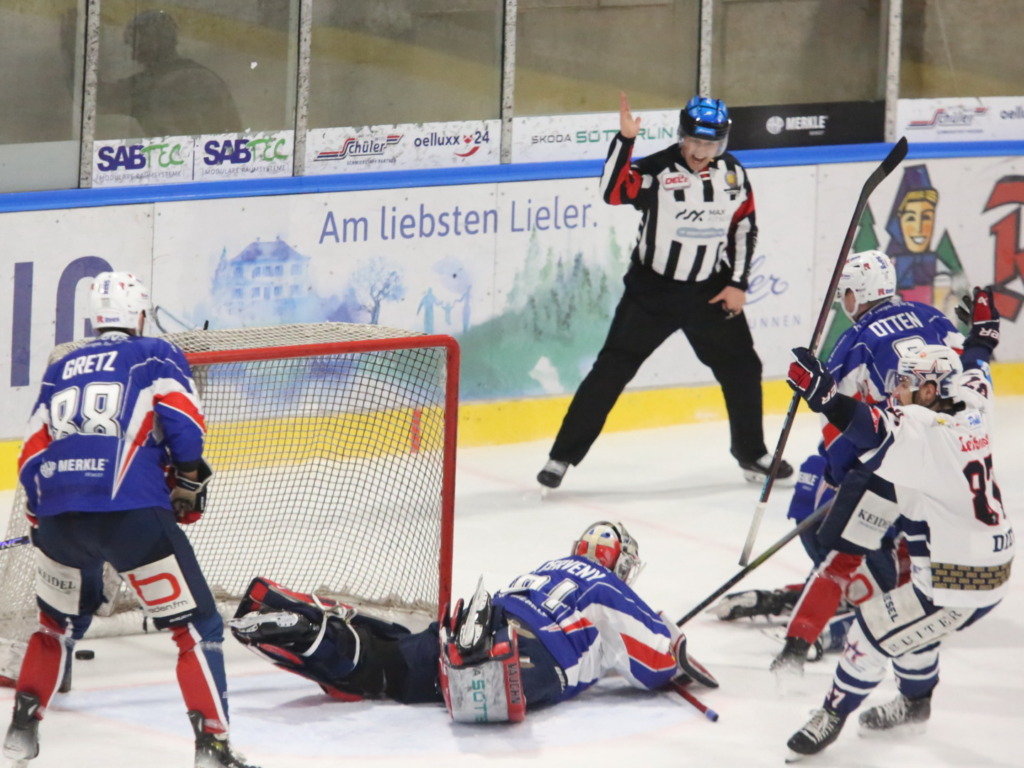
(135, 157)
(353, 146)
(243, 151)
(950, 117)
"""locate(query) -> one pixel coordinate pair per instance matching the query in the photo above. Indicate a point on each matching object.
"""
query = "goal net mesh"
(333, 452)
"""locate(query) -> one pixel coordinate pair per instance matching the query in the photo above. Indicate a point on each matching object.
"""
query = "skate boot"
(213, 750)
(755, 602)
(552, 473)
(274, 627)
(22, 740)
(791, 658)
(756, 471)
(899, 712)
(821, 730)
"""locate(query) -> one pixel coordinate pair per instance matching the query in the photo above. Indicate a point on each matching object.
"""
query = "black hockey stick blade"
(893, 159)
(17, 541)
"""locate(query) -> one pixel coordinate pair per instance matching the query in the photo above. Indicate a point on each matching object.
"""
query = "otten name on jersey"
(104, 361)
(901, 322)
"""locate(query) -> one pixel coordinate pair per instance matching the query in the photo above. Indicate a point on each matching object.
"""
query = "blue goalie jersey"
(592, 623)
(109, 419)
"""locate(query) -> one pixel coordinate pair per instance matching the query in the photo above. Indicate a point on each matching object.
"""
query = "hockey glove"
(981, 317)
(810, 378)
(188, 496)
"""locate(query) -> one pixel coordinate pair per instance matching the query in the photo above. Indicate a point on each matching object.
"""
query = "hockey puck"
(85, 655)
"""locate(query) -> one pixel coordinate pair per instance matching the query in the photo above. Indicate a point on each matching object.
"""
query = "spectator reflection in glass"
(171, 95)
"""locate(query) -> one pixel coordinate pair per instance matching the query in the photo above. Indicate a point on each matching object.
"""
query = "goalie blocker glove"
(480, 676)
(188, 496)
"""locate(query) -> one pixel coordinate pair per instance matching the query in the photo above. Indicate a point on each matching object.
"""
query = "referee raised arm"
(688, 271)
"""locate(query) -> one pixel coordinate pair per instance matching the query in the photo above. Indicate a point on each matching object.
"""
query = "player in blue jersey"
(545, 638)
(111, 464)
(884, 328)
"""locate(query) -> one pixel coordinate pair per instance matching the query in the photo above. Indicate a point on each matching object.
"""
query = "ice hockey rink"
(683, 498)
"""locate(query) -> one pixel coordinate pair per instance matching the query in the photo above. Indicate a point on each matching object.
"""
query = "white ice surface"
(683, 498)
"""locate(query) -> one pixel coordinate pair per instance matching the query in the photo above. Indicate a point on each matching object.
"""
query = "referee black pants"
(651, 309)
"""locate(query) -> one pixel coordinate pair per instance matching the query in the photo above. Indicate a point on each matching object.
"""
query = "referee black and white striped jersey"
(694, 224)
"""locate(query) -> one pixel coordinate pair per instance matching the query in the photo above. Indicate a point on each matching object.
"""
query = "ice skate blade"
(794, 757)
(895, 733)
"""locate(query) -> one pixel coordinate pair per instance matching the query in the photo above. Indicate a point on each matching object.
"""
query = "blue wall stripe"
(345, 182)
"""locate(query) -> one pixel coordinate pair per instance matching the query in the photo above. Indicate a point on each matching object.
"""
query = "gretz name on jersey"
(104, 361)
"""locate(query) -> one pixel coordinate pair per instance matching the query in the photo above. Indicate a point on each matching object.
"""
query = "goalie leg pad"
(264, 595)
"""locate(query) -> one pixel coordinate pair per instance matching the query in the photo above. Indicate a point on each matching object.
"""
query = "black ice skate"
(211, 751)
(898, 713)
(552, 473)
(274, 627)
(22, 740)
(821, 730)
(756, 471)
(755, 602)
(791, 658)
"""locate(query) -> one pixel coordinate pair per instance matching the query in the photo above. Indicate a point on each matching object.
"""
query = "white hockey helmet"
(928, 362)
(116, 299)
(870, 275)
(610, 545)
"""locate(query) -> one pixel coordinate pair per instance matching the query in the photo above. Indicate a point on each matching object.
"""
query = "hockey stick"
(679, 688)
(804, 524)
(894, 158)
(17, 541)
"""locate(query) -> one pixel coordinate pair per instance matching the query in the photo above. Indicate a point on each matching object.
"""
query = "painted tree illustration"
(379, 281)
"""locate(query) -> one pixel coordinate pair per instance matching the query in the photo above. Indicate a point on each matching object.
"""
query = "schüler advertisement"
(524, 275)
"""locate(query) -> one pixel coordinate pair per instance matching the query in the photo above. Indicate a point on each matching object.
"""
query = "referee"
(688, 272)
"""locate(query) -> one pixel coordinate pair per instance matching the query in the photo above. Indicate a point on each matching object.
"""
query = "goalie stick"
(894, 158)
(680, 688)
(804, 524)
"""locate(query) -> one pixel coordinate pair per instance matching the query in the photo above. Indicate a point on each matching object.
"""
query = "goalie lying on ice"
(545, 638)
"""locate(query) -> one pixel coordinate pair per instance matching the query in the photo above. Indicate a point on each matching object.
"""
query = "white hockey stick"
(894, 158)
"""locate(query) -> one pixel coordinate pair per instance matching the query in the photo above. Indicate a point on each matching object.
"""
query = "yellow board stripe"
(514, 421)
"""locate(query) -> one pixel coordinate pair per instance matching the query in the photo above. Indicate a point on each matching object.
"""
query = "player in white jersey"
(883, 326)
(572, 621)
(928, 474)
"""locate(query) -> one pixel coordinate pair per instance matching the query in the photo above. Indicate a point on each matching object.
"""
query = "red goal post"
(333, 450)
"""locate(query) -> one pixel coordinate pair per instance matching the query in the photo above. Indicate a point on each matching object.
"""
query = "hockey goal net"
(333, 448)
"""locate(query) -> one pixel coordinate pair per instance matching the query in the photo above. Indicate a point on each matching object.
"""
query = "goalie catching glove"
(689, 668)
(188, 495)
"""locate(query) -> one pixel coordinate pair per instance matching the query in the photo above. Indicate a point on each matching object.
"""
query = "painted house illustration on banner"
(267, 282)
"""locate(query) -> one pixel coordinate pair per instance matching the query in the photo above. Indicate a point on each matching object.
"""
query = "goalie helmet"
(706, 119)
(870, 275)
(116, 299)
(610, 545)
(928, 362)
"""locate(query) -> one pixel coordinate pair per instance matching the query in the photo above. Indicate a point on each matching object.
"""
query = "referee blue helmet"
(706, 119)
